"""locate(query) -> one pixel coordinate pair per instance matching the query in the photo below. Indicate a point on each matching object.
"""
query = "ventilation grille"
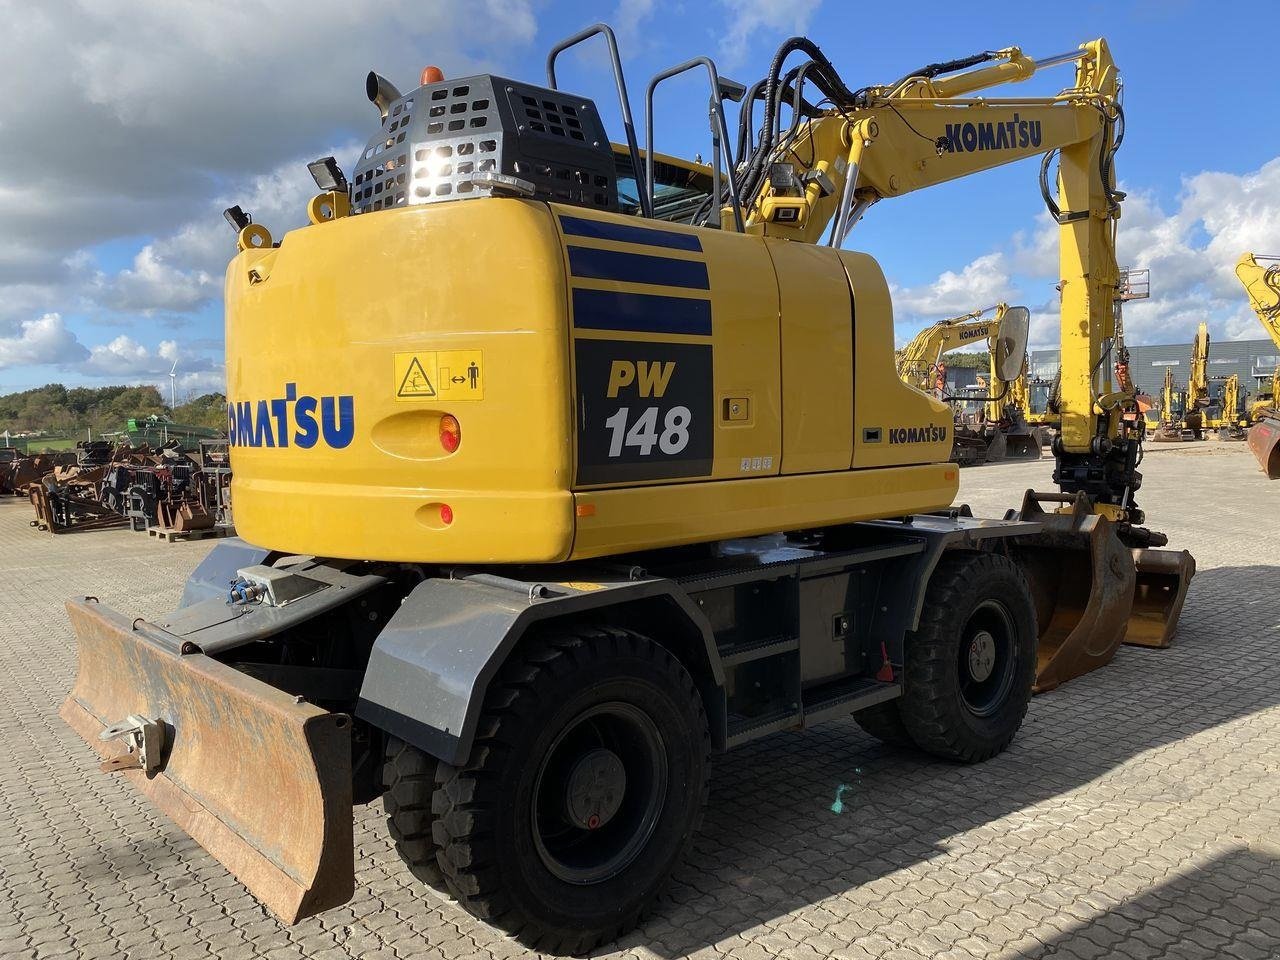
(436, 140)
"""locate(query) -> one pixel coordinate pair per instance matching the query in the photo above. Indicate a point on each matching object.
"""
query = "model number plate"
(644, 410)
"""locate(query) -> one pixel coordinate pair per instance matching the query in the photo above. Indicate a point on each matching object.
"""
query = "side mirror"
(1011, 342)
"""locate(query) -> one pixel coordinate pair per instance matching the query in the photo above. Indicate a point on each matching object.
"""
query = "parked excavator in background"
(989, 424)
(1260, 276)
(1232, 420)
(1169, 427)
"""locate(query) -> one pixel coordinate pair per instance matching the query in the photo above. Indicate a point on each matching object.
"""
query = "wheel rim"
(599, 793)
(988, 653)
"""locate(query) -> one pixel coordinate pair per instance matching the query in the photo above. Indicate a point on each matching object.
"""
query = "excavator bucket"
(1264, 442)
(1163, 577)
(1022, 446)
(1092, 592)
(258, 778)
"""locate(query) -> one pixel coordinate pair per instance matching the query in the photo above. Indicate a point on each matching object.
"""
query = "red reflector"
(450, 433)
(446, 514)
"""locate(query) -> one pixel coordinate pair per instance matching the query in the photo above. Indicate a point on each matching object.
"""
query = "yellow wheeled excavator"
(1261, 279)
(1002, 431)
(513, 461)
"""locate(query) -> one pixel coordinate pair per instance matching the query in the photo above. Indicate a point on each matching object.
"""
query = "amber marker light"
(450, 433)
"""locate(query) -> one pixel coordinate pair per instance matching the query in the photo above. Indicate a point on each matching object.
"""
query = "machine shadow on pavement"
(771, 843)
(1243, 915)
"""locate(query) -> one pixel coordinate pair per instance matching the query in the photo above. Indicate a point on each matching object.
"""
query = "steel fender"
(259, 779)
(431, 665)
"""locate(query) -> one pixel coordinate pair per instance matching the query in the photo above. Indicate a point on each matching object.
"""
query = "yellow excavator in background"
(1232, 422)
(1001, 432)
(513, 461)
(1261, 279)
(1169, 428)
(1009, 416)
(1197, 398)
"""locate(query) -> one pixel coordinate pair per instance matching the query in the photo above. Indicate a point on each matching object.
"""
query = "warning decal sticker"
(444, 375)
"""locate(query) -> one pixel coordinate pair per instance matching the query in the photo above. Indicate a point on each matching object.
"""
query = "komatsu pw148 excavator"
(545, 497)
(1261, 278)
(1003, 431)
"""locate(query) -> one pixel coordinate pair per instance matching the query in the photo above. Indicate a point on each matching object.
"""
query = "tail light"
(450, 433)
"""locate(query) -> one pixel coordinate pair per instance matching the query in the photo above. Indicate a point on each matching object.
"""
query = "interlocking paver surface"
(1136, 815)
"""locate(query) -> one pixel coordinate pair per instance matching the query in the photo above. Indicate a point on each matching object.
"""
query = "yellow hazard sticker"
(446, 375)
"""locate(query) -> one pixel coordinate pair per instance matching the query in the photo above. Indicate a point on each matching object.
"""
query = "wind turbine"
(173, 386)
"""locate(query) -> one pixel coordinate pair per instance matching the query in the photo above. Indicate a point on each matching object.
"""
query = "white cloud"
(154, 110)
(153, 284)
(981, 283)
(1190, 252)
(126, 357)
(43, 341)
(749, 17)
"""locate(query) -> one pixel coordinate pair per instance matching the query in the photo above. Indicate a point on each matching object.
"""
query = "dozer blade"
(1264, 442)
(1163, 577)
(260, 780)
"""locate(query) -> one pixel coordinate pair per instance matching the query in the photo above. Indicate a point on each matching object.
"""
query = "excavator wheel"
(410, 778)
(584, 788)
(970, 664)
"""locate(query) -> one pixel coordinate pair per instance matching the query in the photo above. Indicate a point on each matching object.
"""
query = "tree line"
(71, 411)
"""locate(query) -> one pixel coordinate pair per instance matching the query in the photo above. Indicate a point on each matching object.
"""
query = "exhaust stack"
(380, 92)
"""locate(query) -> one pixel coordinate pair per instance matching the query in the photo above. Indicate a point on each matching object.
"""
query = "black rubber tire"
(884, 722)
(410, 778)
(933, 708)
(485, 827)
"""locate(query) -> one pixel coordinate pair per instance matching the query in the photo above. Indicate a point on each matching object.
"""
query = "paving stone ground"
(1136, 815)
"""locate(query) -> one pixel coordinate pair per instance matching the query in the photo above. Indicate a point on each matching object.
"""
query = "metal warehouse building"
(1248, 359)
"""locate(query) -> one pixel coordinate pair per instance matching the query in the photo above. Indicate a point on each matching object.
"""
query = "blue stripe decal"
(637, 268)
(647, 313)
(624, 232)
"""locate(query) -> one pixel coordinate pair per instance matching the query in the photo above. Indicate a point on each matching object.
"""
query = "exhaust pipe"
(381, 92)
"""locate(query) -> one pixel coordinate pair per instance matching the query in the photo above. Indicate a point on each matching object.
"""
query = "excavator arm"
(819, 177)
(919, 360)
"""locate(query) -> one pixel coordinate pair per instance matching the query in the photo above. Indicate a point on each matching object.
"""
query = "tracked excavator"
(1261, 279)
(545, 498)
(1003, 431)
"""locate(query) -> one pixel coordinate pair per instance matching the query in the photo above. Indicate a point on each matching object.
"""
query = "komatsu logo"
(973, 334)
(929, 434)
(1000, 135)
(301, 421)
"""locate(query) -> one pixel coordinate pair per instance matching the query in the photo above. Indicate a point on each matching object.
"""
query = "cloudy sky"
(126, 127)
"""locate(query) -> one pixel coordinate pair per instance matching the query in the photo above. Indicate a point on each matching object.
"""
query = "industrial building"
(1248, 359)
